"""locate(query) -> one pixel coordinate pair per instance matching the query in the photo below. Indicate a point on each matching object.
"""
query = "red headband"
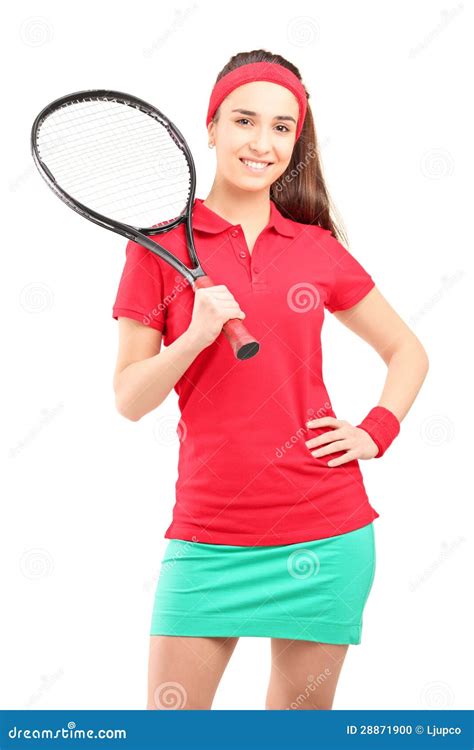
(260, 71)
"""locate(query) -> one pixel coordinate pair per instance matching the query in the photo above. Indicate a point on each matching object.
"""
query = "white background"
(88, 495)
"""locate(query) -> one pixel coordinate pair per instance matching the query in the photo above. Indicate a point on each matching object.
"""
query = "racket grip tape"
(243, 344)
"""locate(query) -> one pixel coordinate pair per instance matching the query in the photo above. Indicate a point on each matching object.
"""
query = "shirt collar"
(206, 220)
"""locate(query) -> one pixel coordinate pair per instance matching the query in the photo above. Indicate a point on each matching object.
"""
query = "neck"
(236, 205)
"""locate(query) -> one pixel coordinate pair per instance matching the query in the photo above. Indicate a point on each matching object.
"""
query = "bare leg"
(184, 672)
(304, 674)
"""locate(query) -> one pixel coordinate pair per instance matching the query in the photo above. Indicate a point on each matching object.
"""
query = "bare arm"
(142, 385)
(144, 375)
(375, 321)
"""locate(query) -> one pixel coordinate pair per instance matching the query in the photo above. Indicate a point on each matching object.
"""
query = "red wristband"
(383, 427)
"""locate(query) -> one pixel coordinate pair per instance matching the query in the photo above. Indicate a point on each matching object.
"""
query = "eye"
(286, 130)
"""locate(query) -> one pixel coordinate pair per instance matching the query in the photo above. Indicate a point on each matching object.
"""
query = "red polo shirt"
(245, 475)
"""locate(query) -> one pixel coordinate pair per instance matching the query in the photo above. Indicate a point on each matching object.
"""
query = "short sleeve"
(140, 293)
(350, 282)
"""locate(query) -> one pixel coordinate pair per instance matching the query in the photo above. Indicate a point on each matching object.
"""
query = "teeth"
(255, 164)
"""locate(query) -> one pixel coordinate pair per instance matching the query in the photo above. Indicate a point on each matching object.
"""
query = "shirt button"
(242, 254)
(256, 270)
(235, 232)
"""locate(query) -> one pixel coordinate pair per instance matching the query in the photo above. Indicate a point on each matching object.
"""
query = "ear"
(211, 131)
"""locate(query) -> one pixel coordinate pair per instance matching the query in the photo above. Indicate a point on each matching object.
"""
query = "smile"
(255, 166)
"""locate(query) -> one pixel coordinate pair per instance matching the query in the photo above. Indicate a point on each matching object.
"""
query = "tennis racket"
(121, 163)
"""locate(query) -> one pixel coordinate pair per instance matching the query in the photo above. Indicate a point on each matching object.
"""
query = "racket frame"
(138, 234)
(243, 344)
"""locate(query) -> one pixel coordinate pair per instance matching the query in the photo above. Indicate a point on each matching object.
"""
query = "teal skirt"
(312, 591)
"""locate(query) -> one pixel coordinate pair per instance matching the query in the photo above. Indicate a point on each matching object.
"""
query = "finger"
(222, 297)
(229, 310)
(324, 422)
(326, 438)
(338, 445)
(349, 456)
(218, 294)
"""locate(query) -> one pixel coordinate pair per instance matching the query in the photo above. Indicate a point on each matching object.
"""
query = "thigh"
(184, 671)
(304, 674)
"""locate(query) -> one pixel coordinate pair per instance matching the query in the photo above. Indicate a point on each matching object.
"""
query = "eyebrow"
(255, 114)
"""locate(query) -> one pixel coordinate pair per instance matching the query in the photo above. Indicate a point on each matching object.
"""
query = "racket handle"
(243, 344)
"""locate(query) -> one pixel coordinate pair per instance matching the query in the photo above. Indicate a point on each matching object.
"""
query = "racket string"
(75, 169)
(116, 160)
(74, 157)
(60, 139)
(126, 170)
(78, 156)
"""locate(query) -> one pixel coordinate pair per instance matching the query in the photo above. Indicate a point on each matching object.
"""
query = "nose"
(261, 142)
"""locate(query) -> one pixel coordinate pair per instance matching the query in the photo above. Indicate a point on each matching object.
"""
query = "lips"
(256, 161)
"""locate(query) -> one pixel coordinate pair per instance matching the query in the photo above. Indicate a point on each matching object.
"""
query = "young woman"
(272, 531)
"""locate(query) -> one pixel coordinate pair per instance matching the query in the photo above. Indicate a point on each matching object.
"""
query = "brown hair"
(300, 192)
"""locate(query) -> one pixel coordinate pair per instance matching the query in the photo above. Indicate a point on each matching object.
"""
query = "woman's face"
(257, 123)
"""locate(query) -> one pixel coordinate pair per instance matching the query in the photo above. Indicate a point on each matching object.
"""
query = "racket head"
(116, 160)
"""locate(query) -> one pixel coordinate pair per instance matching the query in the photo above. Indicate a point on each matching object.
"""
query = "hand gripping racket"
(122, 164)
